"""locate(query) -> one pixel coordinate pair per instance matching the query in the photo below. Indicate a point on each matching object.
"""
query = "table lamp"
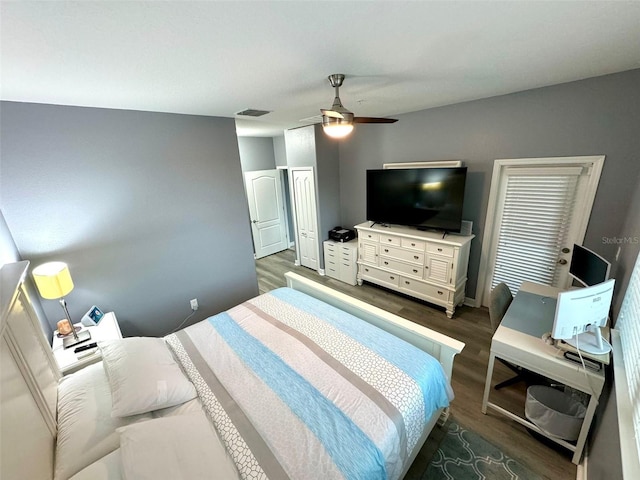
(53, 281)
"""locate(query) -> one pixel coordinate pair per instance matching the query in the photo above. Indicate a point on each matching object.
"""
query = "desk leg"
(584, 431)
(487, 384)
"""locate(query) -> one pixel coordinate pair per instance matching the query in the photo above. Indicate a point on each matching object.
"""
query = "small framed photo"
(92, 317)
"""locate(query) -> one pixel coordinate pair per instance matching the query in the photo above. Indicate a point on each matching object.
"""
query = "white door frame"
(295, 213)
(597, 163)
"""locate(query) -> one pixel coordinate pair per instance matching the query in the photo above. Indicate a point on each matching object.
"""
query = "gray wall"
(148, 209)
(8, 249)
(279, 151)
(256, 153)
(328, 181)
(591, 117)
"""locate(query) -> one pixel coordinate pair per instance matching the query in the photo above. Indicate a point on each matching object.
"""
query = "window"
(626, 355)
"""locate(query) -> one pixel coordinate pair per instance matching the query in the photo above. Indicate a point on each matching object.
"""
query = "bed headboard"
(29, 378)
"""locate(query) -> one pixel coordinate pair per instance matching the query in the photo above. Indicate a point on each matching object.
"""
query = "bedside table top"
(69, 361)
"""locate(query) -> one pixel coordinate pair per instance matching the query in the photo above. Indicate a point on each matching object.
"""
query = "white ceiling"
(218, 58)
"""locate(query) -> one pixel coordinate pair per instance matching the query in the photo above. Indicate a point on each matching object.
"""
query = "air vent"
(253, 112)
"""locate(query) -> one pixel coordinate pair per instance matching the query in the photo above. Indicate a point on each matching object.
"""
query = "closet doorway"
(538, 208)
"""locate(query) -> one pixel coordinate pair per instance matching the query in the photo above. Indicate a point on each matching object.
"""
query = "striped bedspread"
(298, 389)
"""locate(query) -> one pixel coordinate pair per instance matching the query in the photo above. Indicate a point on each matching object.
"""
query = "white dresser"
(341, 260)
(420, 264)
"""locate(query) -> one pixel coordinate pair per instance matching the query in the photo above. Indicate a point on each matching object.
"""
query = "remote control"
(85, 347)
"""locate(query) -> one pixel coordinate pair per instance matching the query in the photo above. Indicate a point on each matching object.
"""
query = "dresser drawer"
(436, 249)
(330, 247)
(379, 276)
(373, 237)
(413, 244)
(401, 254)
(424, 289)
(406, 268)
(390, 240)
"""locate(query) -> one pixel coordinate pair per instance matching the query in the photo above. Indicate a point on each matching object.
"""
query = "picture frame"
(92, 317)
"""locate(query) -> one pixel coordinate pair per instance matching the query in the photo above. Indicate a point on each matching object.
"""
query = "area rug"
(465, 455)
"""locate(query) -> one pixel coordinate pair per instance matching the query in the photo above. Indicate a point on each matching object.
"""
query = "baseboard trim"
(470, 302)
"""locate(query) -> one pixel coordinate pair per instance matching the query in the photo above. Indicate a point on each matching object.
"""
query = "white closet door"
(540, 211)
(306, 217)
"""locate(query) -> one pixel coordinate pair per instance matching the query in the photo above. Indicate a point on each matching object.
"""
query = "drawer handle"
(386, 250)
(386, 263)
(407, 282)
(389, 240)
(439, 249)
(415, 271)
(413, 244)
(366, 269)
(392, 278)
(416, 257)
(440, 292)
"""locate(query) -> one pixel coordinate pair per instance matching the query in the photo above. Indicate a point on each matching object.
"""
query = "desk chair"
(499, 302)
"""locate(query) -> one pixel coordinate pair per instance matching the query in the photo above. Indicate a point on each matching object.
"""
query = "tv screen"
(427, 198)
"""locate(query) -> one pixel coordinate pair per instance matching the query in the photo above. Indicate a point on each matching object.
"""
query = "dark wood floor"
(471, 326)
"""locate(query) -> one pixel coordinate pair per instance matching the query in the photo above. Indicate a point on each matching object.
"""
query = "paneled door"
(538, 209)
(304, 199)
(266, 209)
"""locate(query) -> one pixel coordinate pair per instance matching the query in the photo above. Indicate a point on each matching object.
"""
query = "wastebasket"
(556, 413)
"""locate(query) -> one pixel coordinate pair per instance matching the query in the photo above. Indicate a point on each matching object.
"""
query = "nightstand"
(69, 361)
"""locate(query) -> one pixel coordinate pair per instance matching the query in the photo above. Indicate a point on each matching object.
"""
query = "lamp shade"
(53, 280)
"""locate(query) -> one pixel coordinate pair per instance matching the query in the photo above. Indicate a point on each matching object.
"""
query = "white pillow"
(179, 447)
(86, 430)
(143, 376)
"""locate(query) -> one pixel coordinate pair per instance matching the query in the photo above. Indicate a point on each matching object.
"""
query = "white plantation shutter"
(627, 374)
(534, 225)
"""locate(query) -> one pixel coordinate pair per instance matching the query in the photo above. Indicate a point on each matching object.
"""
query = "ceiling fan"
(337, 121)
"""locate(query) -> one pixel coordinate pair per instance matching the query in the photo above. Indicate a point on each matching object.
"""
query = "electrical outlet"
(194, 304)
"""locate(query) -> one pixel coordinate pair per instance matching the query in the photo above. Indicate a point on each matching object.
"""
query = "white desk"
(518, 340)
(69, 361)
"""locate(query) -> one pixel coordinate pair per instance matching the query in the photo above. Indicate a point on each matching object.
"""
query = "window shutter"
(534, 225)
(628, 327)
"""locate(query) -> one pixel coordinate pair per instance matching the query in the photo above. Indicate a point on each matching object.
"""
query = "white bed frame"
(29, 374)
(29, 379)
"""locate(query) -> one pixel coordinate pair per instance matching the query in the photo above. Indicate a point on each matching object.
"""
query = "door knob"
(562, 261)
(565, 250)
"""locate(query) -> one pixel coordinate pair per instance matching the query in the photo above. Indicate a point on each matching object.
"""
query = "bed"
(302, 382)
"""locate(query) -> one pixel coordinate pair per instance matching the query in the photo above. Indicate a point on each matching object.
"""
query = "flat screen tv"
(427, 198)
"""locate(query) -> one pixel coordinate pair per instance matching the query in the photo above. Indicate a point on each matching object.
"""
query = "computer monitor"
(587, 267)
(580, 314)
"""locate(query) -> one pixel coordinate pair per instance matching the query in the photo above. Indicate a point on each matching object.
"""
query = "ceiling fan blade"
(374, 120)
(331, 113)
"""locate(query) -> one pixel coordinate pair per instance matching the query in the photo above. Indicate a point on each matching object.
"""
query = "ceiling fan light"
(336, 130)
(338, 127)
